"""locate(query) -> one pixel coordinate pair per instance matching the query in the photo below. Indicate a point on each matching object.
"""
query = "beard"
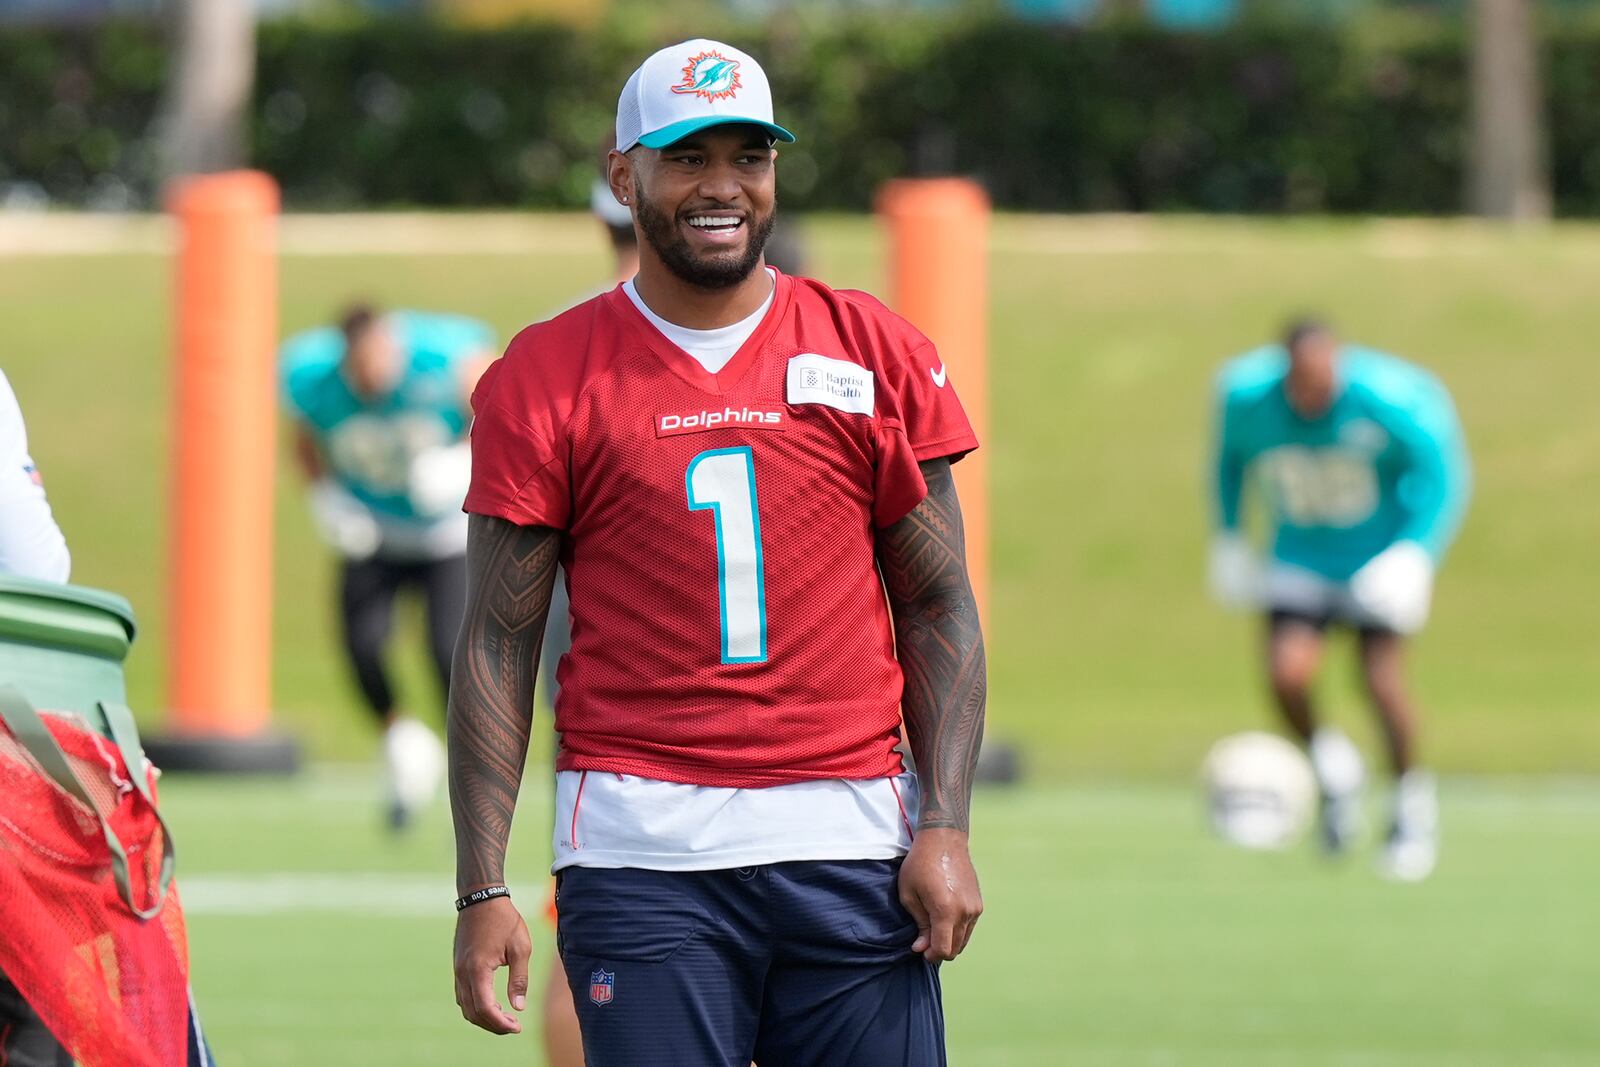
(710, 272)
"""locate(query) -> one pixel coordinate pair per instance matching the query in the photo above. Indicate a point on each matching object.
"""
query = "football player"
(732, 467)
(380, 404)
(1365, 480)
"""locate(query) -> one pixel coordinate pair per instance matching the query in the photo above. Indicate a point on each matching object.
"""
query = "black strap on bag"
(29, 729)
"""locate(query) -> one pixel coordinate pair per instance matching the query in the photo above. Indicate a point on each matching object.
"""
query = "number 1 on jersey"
(723, 480)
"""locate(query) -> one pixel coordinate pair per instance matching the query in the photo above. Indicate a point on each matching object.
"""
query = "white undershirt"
(711, 348)
(614, 820)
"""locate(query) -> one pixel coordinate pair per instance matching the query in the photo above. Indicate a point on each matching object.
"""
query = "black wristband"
(478, 896)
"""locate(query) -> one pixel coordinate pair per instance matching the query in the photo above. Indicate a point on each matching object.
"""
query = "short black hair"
(356, 319)
(1303, 327)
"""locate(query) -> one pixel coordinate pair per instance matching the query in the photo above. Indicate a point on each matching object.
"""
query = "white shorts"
(1317, 599)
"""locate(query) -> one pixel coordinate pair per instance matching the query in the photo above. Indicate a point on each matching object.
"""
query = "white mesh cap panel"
(628, 121)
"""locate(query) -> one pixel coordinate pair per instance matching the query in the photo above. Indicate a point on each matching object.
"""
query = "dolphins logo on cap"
(710, 75)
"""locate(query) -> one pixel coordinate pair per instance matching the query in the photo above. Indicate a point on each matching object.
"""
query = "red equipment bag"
(91, 931)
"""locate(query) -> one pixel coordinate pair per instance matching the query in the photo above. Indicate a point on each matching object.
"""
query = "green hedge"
(1262, 118)
(76, 106)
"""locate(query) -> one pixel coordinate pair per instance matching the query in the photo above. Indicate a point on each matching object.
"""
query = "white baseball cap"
(688, 87)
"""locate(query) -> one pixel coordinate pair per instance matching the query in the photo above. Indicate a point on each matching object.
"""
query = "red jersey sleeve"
(519, 466)
(919, 418)
(935, 422)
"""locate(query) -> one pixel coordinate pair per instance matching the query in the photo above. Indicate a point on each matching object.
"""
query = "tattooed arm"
(924, 564)
(940, 647)
(510, 573)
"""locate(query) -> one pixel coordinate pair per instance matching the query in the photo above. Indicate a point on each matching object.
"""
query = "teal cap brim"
(669, 135)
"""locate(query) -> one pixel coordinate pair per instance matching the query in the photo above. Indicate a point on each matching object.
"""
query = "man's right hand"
(1235, 573)
(489, 936)
(939, 888)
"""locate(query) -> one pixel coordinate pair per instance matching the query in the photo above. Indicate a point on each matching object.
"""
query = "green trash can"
(63, 646)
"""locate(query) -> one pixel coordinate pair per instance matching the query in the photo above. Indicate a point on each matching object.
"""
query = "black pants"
(24, 1041)
(366, 601)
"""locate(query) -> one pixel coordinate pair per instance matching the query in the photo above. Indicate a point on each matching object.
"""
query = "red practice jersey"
(729, 626)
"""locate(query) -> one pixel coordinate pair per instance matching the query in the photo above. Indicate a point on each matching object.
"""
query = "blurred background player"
(380, 404)
(1366, 480)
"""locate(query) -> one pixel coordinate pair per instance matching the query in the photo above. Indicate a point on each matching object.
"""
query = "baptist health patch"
(815, 379)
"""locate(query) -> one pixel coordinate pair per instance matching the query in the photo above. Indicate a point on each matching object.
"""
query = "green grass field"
(1118, 933)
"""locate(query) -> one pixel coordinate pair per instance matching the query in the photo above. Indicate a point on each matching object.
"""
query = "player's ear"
(619, 175)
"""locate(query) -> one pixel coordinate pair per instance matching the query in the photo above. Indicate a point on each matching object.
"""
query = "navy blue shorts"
(789, 965)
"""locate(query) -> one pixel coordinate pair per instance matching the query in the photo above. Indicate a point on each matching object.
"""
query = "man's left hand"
(939, 887)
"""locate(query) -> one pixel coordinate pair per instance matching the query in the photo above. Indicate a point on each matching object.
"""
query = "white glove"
(439, 478)
(343, 522)
(1235, 573)
(1395, 587)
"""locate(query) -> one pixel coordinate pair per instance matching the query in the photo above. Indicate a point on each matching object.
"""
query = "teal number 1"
(723, 481)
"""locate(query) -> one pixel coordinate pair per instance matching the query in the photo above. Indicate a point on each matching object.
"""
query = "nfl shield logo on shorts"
(601, 985)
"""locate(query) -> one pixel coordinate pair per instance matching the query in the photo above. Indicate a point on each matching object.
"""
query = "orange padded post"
(224, 442)
(939, 271)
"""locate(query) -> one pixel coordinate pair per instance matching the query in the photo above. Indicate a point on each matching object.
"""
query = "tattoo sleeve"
(940, 646)
(510, 573)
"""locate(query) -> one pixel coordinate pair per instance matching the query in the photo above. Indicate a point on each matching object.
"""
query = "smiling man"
(732, 467)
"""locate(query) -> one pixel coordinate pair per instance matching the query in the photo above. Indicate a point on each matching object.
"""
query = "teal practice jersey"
(1386, 462)
(369, 445)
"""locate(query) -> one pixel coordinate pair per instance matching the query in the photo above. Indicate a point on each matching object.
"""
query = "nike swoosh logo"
(939, 375)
